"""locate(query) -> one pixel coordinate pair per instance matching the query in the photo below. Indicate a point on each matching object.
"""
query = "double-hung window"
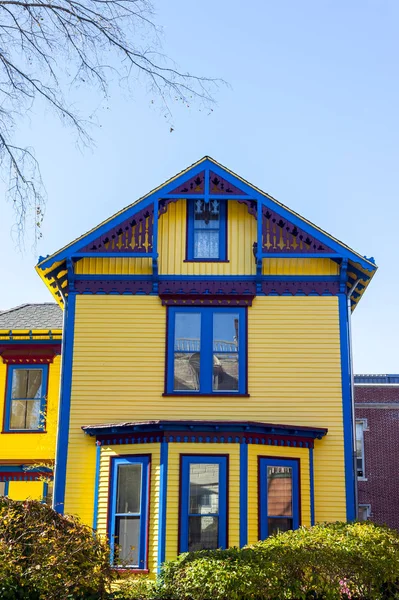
(206, 230)
(206, 350)
(203, 503)
(278, 495)
(26, 397)
(130, 476)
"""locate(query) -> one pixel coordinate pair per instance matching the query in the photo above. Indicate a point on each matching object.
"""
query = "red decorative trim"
(24, 476)
(191, 300)
(208, 287)
(26, 354)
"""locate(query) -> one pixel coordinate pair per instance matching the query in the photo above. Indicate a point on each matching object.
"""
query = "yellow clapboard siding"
(132, 449)
(172, 509)
(21, 490)
(29, 446)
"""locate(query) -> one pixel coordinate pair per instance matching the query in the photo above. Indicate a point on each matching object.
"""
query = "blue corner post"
(350, 476)
(65, 403)
(163, 490)
(96, 484)
(243, 494)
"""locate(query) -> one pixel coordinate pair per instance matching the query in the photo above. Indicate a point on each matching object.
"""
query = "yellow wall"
(133, 449)
(172, 509)
(253, 502)
(241, 235)
(32, 446)
(294, 378)
(21, 490)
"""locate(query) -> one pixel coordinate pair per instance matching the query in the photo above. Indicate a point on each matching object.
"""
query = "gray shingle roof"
(32, 316)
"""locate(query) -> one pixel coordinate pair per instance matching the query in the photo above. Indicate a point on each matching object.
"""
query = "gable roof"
(359, 267)
(32, 316)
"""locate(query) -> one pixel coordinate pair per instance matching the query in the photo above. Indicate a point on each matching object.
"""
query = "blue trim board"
(9, 399)
(144, 461)
(243, 494)
(163, 490)
(264, 463)
(185, 513)
(311, 486)
(96, 485)
(65, 404)
(206, 347)
(350, 479)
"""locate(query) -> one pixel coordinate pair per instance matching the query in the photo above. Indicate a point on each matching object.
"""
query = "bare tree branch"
(46, 47)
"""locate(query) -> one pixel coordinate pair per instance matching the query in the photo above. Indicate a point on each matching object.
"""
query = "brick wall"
(379, 405)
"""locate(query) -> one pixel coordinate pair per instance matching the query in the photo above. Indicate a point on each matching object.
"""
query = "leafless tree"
(48, 45)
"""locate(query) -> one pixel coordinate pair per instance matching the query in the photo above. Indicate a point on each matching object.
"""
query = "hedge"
(44, 555)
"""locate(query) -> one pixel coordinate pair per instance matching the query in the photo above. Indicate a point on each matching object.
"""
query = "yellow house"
(30, 348)
(206, 393)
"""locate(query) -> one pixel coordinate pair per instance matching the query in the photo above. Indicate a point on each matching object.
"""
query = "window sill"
(205, 260)
(25, 431)
(208, 394)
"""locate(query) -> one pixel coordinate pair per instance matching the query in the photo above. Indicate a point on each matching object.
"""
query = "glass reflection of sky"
(189, 326)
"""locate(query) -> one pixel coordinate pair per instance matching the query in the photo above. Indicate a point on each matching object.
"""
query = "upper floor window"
(206, 350)
(206, 231)
(26, 397)
(129, 511)
(360, 466)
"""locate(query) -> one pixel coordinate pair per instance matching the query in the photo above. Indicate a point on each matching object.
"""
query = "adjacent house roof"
(377, 378)
(32, 316)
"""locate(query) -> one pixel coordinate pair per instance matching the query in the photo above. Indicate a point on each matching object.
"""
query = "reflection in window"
(26, 398)
(279, 498)
(225, 352)
(187, 351)
(360, 448)
(129, 512)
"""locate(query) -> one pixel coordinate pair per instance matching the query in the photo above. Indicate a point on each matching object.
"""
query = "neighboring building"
(377, 433)
(30, 348)
(205, 397)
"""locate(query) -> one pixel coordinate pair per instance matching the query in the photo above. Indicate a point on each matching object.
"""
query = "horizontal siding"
(28, 446)
(132, 449)
(21, 490)
(172, 510)
(294, 376)
(253, 485)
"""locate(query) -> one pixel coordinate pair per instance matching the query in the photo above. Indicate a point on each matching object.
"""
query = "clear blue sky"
(311, 118)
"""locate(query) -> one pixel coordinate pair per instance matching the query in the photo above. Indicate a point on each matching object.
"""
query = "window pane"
(27, 383)
(204, 488)
(206, 244)
(187, 346)
(279, 491)
(127, 539)
(2, 488)
(25, 414)
(203, 533)
(129, 489)
(276, 525)
(49, 495)
(225, 349)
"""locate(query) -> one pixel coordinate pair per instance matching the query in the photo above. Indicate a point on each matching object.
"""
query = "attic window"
(206, 230)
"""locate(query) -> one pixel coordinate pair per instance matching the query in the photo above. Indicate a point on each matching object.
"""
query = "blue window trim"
(222, 234)
(207, 350)
(185, 461)
(145, 462)
(265, 462)
(10, 372)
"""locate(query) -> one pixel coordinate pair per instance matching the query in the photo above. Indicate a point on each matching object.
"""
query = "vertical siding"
(253, 501)
(113, 266)
(172, 511)
(21, 490)
(299, 266)
(25, 446)
(132, 449)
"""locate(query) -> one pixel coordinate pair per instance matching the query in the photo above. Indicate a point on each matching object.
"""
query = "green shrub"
(357, 561)
(44, 555)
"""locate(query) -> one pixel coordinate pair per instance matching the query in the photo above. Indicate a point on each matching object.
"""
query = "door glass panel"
(129, 489)
(279, 491)
(204, 488)
(127, 540)
(203, 533)
(225, 351)
(187, 348)
(281, 524)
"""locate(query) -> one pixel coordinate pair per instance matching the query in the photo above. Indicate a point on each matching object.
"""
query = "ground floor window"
(129, 511)
(3, 488)
(203, 503)
(278, 495)
(364, 511)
